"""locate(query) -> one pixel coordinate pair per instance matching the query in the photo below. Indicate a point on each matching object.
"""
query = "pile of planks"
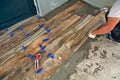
(68, 32)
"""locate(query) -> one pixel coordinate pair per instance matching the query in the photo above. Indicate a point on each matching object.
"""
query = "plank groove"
(58, 18)
(68, 32)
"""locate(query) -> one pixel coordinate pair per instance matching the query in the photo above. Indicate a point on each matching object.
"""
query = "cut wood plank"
(49, 71)
(21, 57)
(2, 32)
(76, 37)
(57, 44)
(67, 11)
(71, 30)
(66, 36)
(26, 22)
(19, 37)
(40, 32)
(60, 42)
(63, 54)
(13, 75)
(34, 46)
(50, 66)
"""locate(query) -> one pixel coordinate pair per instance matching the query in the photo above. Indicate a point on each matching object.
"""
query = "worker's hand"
(90, 35)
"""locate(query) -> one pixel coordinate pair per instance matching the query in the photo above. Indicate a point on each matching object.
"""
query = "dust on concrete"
(103, 62)
(69, 66)
(95, 48)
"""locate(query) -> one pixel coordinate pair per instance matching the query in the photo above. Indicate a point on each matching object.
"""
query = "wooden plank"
(64, 52)
(21, 57)
(64, 39)
(67, 11)
(73, 41)
(50, 66)
(49, 71)
(56, 43)
(61, 56)
(26, 22)
(83, 21)
(40, 32)
(19, 37)
(34, 46)
(14, 74)
(2, 32)
(65, 35)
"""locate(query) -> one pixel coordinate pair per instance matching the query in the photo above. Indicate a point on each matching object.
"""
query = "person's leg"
(115, 33)
(109, 26)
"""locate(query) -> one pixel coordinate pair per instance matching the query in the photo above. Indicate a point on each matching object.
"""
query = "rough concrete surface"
(97, 59)
(103, 62)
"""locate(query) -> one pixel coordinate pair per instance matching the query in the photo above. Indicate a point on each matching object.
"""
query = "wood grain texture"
(22, 56)
(74, 41)
(13, 28)
(67, 11)
(49, 24)
(68, 32)
(16, 58)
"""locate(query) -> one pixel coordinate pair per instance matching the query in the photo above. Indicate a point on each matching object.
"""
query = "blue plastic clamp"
(24, 48)
(51, 55)
(42, 48)
(45, 40)
(39, 71)
(11, 34)
(40, 25)
(27, 34)
(39, 17)
(20, 28)
(48, 30)
(6, 29)
(31, 57)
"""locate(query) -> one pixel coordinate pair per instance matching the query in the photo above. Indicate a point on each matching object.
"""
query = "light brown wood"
(67, 11)
(21, 57)
(76, 38)
(58, 19)
(68, 32)
(50, 70)
(13, 28)
(19, 37)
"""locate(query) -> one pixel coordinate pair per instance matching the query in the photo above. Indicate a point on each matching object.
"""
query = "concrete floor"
(97, 59)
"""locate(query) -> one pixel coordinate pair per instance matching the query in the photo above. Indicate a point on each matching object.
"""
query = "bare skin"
(109, 26)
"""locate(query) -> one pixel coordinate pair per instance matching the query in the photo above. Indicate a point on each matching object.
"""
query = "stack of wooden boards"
(68, 32)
